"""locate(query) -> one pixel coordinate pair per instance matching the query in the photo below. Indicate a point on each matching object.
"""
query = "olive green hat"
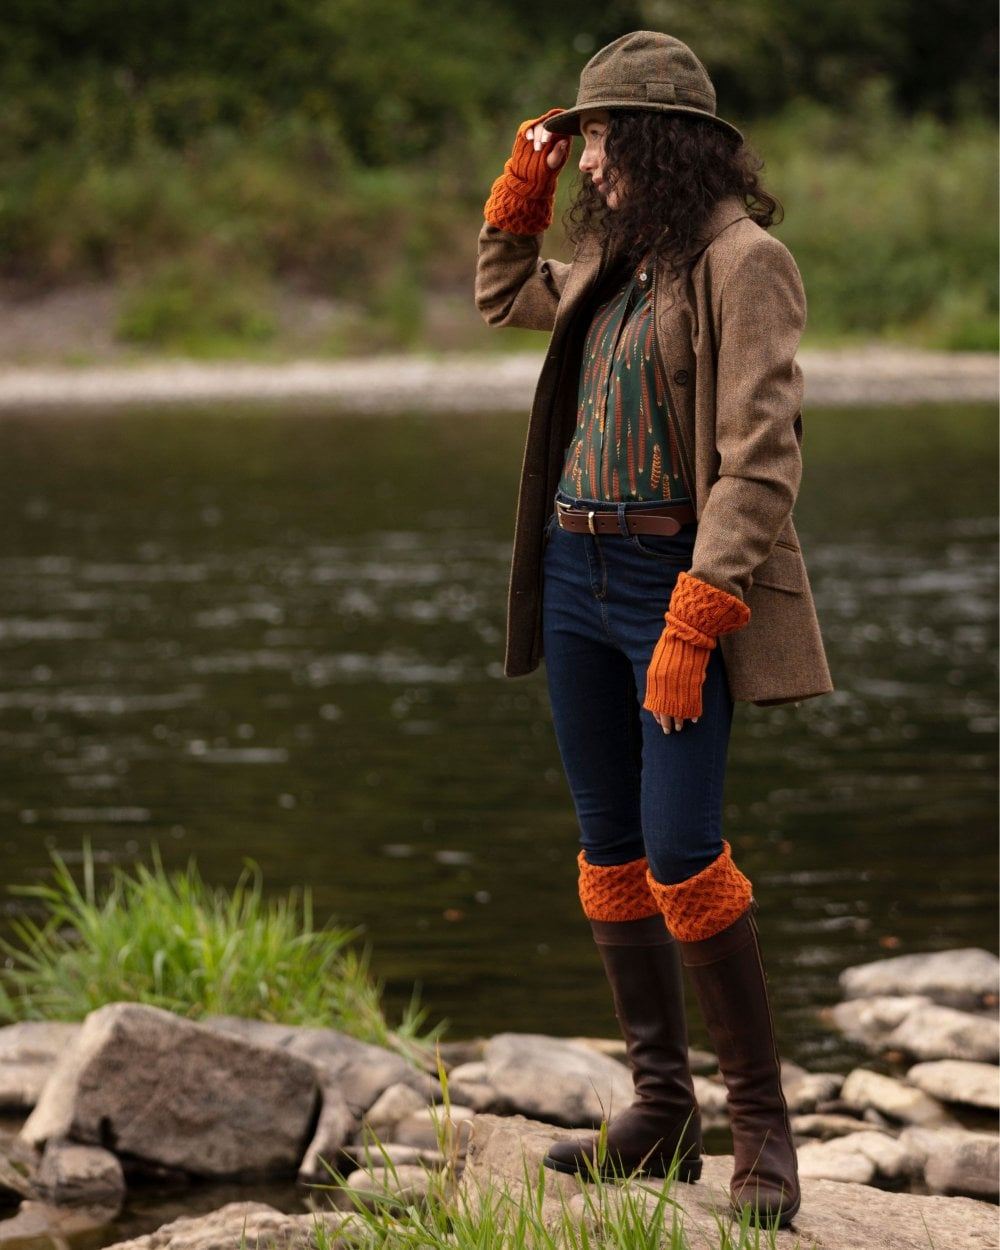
(643, 70)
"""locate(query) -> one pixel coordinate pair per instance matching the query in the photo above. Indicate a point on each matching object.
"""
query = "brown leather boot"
(644, 970)
(731, 985)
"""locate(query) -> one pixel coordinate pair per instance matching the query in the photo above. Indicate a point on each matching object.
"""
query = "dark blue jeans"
(637, 790)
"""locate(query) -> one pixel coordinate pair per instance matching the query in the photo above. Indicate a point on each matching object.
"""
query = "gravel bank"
(470, 383)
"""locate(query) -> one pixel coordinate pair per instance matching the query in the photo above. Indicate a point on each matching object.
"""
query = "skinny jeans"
(637, 790)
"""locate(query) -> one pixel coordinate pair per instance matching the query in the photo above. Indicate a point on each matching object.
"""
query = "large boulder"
(556, 1079)
(146, 1083)
(504, 1149)
(968, 977)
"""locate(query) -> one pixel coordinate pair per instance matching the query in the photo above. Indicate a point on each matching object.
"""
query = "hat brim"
(568, 122)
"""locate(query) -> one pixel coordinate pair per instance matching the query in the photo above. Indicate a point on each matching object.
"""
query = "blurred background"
(277, 632)
(274, 177)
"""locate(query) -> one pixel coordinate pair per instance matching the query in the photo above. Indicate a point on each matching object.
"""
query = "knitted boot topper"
(521, 198)
(618, 892)
(706, 903)
(697, 614)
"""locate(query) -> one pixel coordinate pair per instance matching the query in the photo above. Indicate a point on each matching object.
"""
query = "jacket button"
(681, 376)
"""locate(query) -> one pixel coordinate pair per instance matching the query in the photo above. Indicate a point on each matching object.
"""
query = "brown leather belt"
(667, 519)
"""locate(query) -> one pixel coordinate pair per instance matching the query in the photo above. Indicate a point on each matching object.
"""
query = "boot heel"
(689, 1171)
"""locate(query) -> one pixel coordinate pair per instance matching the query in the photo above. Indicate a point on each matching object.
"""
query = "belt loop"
(622, 524)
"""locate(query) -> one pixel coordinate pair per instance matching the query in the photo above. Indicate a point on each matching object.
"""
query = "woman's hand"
(522, 198)
(539, 136)
(670, 723)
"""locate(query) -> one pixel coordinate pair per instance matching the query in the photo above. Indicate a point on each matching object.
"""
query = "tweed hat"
(643, 70)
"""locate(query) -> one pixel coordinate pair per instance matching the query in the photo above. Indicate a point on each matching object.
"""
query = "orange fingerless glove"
(522, 197)
(697, 615)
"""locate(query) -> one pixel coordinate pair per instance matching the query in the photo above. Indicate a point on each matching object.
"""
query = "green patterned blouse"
(623, 446)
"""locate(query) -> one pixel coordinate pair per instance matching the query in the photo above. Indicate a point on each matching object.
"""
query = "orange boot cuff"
(618, 892)
(706, 903)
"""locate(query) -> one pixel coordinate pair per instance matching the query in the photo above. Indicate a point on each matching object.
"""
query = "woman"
(657, 568)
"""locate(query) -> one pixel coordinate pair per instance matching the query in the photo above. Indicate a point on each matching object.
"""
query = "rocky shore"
(136, 1095)
(456, 382)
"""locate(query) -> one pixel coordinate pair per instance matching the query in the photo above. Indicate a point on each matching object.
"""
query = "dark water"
(279, 634)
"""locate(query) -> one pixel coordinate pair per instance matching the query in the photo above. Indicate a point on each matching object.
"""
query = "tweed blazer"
(727, 330)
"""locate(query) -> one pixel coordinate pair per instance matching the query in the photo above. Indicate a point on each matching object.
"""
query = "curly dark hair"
(676, 167)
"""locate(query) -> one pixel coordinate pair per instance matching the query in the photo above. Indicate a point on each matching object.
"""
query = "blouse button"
(681, 377)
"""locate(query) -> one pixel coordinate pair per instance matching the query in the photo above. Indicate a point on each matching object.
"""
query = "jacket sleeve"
(513, 286)
(759, 388)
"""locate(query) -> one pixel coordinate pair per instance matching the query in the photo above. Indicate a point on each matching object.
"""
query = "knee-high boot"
(713, 917)
(643, 968)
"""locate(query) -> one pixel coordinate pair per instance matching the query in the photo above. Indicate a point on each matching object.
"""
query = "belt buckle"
(590, 522)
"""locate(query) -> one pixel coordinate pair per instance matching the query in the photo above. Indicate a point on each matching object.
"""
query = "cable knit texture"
(697, 615)
(618, 892)
(706, 903)
(521, 198)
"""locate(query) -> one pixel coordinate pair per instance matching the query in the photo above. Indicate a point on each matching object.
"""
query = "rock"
(383, 1154)
(334, 1129)
(460, 1052)
(148, 1083)
(469, 1085)
(39, 1224)
(28, 1053)
(18, 1168)
(863, 1089)
(943, 1033)
(473, 1073)
(427, 1128)
(479, 1096)
(358, 1069)
(247, 1224)
(871, 1020)
(556, 1079)
(387, 1189)
(72, 1175)
(958, 1080)
(826, 1125)
(819, 1161)
(810, 1090)
(861, 1158)
(956, 1161)
(391, 1106)
(831, 1216)
(966, 978)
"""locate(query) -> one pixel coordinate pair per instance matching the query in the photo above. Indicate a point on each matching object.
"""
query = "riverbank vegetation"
(313, 180)
(169, 939)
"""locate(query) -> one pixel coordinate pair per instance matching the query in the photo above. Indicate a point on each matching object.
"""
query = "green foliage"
(170, 940)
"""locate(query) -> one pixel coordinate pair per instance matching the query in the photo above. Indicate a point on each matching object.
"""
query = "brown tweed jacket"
(727, 332)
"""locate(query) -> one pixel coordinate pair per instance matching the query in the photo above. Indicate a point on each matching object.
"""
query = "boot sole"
(688, 1171)
(785, 1214)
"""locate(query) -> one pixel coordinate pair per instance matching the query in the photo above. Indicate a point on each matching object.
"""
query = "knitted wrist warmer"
(706, 903)
(618, 892)
(697, 615)
(521, 198)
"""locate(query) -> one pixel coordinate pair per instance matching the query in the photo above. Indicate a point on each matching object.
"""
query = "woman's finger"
(557, 155)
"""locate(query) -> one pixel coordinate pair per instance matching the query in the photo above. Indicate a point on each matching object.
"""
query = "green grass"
(168, 939)
(530, 1214)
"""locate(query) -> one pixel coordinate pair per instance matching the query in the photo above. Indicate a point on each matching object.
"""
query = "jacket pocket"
(782, 570)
